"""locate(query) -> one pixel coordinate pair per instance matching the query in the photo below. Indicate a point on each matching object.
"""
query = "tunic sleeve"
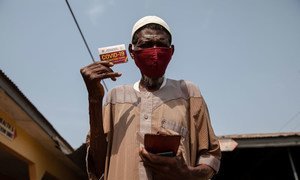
(205, 148)
(208, 151)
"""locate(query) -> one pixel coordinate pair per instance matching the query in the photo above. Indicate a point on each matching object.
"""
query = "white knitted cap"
(149, 20)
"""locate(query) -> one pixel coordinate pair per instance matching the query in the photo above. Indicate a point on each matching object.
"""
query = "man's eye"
(145, 45)
(161, 44)
(152, 44)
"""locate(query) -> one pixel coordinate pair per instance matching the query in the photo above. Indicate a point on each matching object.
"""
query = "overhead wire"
(83, 38)
(290, 120)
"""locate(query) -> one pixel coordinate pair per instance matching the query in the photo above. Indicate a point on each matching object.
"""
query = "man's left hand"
(174, 168)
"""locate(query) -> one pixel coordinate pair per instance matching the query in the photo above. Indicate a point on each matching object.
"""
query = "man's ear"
(173, 48)
(130, 46)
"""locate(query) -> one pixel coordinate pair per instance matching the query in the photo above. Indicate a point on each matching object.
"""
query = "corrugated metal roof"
(260, 140)
(260, 135)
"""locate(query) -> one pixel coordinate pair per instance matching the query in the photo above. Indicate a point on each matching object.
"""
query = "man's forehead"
(149, 36)
(153, 37)
(152, 33)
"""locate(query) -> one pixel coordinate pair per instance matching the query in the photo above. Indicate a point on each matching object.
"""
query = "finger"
(103, 63)
(98, 65)
(100, 69)
(156, 159)
(158, 169)
(95, 65)
(97, 68)
(141, 154)
(115, 77)
(106, 75)
(144, 154)
(142, 158)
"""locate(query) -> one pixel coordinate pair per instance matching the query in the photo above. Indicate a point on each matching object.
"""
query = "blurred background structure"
(30, 148)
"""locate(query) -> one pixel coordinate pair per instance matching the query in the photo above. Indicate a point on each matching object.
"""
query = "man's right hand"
(93, 74)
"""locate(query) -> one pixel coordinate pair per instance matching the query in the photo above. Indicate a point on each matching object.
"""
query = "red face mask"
(153, 62)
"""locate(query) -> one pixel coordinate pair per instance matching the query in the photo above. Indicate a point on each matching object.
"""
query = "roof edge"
(259, 135)
(15, 93)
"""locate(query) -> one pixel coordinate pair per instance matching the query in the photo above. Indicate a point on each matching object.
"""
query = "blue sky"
(244, 56)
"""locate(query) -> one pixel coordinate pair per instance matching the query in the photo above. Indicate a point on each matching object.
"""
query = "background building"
(273, 156)
(30, 148)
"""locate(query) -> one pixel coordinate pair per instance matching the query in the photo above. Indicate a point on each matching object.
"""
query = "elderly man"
(155, 104)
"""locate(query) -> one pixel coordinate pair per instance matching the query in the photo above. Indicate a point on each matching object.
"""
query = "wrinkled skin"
(149, 38)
